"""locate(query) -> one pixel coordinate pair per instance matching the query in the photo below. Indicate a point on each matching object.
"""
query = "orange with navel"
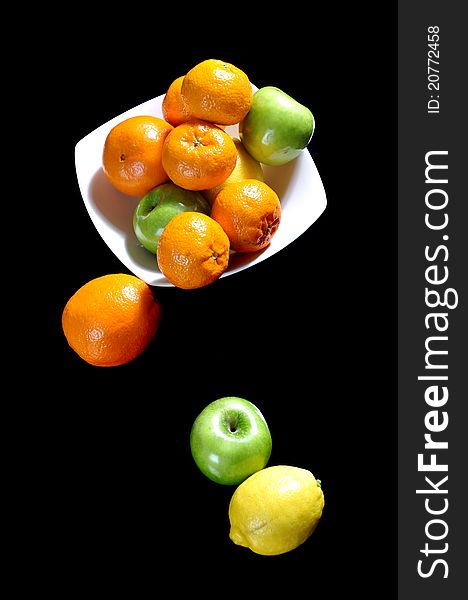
(249, 211)
(198, 155)
(132, 157)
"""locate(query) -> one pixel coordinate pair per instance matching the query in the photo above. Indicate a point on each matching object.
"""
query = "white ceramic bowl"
(297, 184)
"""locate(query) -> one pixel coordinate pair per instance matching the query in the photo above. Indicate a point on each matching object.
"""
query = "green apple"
(277, 127)
(158, 206)
(230, 440)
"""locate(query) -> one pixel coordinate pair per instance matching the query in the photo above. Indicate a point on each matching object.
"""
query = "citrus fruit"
(217, 91)
(132, 154)
(249, 211)
(173, 106)
(246, 168)
(193, 250)
(275, 510)
(110, 320)
(198, 155)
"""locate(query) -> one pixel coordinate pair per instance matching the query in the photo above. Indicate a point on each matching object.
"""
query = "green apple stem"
(232, 424)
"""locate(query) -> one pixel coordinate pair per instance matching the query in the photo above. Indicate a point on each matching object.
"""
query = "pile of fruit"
(202, 196)
(187, 163)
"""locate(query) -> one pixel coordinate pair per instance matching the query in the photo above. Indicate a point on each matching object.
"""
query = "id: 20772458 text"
(433, 71)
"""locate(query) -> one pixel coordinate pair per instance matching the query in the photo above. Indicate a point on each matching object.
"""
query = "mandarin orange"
(193, 250)
(110, 320)
(198, 155)
(173, 106)
(217, 91)
(249, 211)
(132, 154)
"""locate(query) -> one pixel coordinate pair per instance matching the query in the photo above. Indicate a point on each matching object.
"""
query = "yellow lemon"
(275, 510)
(246, 168)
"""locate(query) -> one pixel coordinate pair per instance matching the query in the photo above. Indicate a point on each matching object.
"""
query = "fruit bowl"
(297, 184)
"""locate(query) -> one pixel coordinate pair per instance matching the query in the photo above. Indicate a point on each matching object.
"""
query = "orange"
(198, 155)
(173, 106)
(249, 211)
(217, 91)
(193, 250)
(132, 154)
(110, 320)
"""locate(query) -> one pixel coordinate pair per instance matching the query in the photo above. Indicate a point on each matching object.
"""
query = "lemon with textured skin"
(246, 168)
(275, 510)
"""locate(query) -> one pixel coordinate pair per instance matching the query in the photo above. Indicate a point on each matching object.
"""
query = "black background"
(308, 336)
